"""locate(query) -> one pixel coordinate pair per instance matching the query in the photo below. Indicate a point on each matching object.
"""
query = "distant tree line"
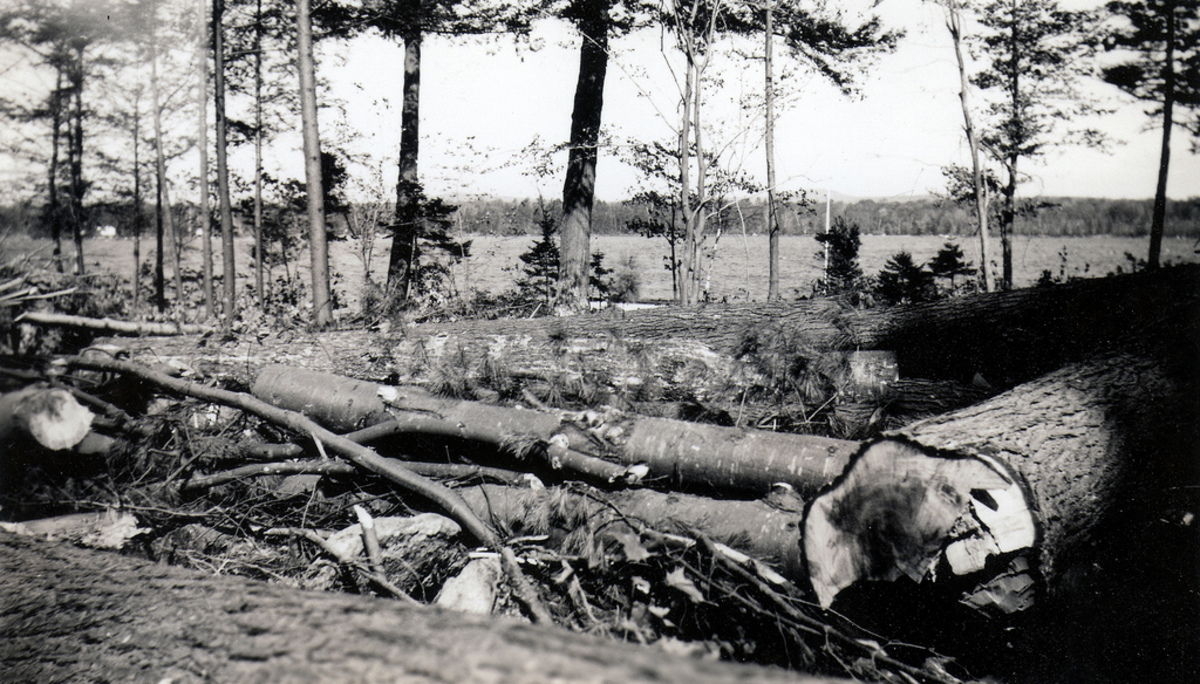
(1070, 216)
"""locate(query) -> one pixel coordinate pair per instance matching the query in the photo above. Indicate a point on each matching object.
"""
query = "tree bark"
(223, 200)
(206, 247)
(402, 261)
(954, 24)
(773, 230)
(1000, 338)
(1008, 502)
(1158, 218)
(673, 453)
(127, 619)
(579, 188)
(318, 247)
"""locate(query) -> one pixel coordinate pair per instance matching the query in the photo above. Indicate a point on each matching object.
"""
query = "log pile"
(1040, 446)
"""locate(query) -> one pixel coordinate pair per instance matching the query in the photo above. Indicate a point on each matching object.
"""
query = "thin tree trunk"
(160, 286)
(954, 24)
(402, 262)
(166, 215)
(259, 277)
(685, 185)
(700, 215)
(206, 245)
(580, 184)
(77, 186)
(318, 248)
(138, 218)
(769, 143)
(52, 180)
(1158, 219)
(223, 201)
(1009, 217)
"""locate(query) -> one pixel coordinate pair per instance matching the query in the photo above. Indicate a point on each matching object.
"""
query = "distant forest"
(1070, 216)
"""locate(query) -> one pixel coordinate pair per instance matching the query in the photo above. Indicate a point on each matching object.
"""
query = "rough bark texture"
(74, 615)
(1004, 338)
(579, 188)
(1018, 492)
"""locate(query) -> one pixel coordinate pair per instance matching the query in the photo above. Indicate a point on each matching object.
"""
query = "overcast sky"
(892, 142)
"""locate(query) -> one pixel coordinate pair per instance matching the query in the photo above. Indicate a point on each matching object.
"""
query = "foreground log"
(666, 451)
(1004, 337)
(1011, 500)
(74, 615)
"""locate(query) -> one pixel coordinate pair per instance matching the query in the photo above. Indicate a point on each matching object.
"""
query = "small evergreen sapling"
(949, 263)
(843, 274)
(903, 281)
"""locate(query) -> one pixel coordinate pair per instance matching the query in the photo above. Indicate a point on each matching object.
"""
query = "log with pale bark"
(1003, 338)
(1017, 499)
(606, 446)
(76, 615)
(112, 326)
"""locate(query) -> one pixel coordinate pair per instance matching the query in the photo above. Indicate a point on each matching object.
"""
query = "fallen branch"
(331, 467)
(371, 574)
(448, 501)
(109, 325)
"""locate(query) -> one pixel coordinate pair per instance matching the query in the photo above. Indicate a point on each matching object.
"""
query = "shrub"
(903, 281)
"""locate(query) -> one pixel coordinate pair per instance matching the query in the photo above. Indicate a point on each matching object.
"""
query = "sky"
(484, 104)
(492, 109)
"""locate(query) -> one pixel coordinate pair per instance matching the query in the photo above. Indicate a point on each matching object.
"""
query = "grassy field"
(737, 270)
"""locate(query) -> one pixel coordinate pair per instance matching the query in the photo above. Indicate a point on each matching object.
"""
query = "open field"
(737, 271)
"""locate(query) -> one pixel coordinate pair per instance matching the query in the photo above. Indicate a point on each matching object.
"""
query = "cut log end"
(904, 511)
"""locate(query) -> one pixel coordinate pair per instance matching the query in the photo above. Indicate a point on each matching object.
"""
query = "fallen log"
(113, 326)
(1011, 501)
(609, 446)
(769, 531)
(1004, 338)
(74, 615)
(357, 454)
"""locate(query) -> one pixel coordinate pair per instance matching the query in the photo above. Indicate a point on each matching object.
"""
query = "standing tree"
(225, 207)
(596, 21)
(1165, 70)
(579, 188)
(206, 255)
(824, 40)
(410, 22)
(1035, 54)
(318, 247)
(842, 271)
(978, 177)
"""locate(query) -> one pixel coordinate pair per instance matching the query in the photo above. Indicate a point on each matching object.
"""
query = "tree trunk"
(58, 104)
(673, 453)
(1000, 338)
(126, 617)
(769, 532)
(206, 247)
(223, 201)
(138, 219)
(954, 24)
(579, 188)
(769, 144)
(318, 247)
(259, 285)
(402, 262)
(78, 189)
(1009, 502)
(1158, 219)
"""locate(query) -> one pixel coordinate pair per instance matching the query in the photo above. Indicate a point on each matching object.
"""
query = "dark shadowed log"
(769, 532)
(1014, 495)
(1004, 337)
(75, 615)
(631, 447)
